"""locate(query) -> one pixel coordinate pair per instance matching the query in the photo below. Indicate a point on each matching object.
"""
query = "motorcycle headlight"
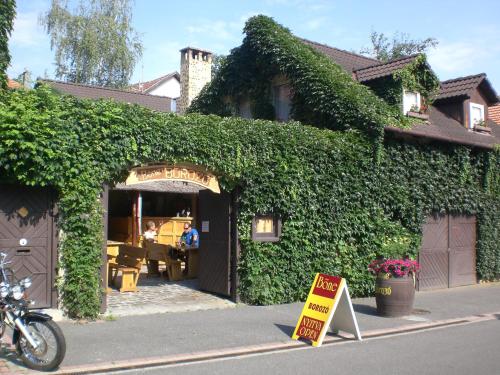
(17, 292)
(26, 282)
(4, 290)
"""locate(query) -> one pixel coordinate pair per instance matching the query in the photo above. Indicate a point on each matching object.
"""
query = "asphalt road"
(466, 349)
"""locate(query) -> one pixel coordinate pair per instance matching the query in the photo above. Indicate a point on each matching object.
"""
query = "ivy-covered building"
(380, 159)
(277, 76)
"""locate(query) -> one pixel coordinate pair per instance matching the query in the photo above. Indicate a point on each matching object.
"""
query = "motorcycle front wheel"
(51, 349)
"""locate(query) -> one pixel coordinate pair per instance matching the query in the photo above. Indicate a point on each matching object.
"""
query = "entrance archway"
(171, 196)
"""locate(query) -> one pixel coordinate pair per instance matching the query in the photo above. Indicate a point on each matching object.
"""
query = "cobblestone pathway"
(156, 295)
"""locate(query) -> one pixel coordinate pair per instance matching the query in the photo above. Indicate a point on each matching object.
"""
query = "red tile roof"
(463, 86)
(11, 84)
(348, 60)
(154, 102)
(494, 113)
(383, 69)
(145, 87)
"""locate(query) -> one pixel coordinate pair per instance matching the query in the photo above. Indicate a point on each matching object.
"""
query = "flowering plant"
(395, 267)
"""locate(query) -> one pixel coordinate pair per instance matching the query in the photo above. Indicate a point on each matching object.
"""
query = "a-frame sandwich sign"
(328, 304)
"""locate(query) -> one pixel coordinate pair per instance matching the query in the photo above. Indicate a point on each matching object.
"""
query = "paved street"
(458, 350)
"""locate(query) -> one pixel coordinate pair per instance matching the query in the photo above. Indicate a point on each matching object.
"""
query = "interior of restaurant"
(148, 263)
(134, 260)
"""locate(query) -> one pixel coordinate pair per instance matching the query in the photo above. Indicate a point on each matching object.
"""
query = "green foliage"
(7, 14)
(401, 45)
(324, 95)
(339, 209)
(95, 44)
(417, 76)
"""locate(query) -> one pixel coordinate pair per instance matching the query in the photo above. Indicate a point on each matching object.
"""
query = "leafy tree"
(401, 45)
(95, 44)
(7, 14)
(217, 62)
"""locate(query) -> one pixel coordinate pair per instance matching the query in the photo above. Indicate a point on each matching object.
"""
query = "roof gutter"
(400, 131)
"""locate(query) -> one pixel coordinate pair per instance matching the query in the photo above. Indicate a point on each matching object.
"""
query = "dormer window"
(411, 101)
(476, 114)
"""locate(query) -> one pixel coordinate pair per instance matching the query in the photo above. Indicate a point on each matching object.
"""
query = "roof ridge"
(390, 61)
(171, 74)
(103, 88)
(464, 77)
(338, 49)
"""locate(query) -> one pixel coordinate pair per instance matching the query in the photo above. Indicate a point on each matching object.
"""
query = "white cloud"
(315, 23)
(463, 57)
(217, 29)
(27, 31)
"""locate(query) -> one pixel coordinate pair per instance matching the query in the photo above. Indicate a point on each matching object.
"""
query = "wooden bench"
(161, 253)
(128, 262)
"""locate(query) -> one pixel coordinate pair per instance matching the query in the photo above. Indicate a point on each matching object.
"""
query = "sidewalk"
(155, 336)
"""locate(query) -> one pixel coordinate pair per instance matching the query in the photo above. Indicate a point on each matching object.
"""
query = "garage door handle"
(23, 250)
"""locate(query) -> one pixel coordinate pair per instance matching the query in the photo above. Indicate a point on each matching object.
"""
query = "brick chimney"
(196, 72)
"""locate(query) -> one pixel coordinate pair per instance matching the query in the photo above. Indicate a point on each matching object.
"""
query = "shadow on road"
(288, 330)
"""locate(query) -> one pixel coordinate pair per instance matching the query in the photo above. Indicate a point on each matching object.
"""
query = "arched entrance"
(172, 196)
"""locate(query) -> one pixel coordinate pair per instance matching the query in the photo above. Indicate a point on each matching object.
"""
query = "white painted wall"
(170, 88)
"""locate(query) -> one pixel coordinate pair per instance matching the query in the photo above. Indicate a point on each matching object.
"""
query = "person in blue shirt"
(190, 236)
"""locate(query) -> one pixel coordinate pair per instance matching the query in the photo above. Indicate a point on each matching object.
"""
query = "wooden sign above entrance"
(185, 173)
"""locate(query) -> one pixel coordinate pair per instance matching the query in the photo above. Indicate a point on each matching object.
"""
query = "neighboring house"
(154, 102)
(168, 85)
(494, 112)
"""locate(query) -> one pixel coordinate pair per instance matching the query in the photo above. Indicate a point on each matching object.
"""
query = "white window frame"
(406, 106)
(478, 106)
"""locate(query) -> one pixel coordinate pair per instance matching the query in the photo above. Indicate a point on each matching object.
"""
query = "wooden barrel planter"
(394, 295)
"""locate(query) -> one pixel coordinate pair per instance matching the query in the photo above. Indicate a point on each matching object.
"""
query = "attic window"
(282, 102)
(476, 114)
(411, 101)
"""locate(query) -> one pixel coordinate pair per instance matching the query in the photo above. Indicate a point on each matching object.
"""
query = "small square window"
(266, 228)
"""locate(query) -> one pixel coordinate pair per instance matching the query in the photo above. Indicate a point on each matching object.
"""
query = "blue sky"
(468, 31)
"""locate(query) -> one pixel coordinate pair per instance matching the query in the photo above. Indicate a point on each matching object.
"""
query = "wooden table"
(192, 260)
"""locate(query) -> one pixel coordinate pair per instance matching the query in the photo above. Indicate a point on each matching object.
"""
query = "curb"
(263, 348)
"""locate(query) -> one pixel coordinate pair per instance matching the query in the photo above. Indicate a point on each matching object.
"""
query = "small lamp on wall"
(266, 228)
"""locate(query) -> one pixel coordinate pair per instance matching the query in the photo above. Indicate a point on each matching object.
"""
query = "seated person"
(151, 232)
(190, 236)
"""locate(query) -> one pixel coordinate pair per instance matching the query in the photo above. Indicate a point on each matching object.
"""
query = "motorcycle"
(38, 339)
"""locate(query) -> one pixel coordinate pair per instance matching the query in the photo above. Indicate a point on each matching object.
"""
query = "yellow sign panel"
(186, 173)
(327, 299)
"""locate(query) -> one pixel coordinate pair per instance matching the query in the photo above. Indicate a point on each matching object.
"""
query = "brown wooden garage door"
(27, 236)
(448, 252)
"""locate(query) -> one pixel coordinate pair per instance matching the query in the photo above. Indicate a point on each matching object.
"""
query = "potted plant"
(395, 285)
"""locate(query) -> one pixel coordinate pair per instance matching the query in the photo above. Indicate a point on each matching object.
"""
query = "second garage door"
(448, 252)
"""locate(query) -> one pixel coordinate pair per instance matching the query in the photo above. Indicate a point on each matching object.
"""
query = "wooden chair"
(161, 253)
(129, 263)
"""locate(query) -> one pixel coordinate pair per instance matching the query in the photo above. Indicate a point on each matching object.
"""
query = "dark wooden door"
(27, 236)
(433, 256)
(214, 229)
(448, 252)
(462, 250)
